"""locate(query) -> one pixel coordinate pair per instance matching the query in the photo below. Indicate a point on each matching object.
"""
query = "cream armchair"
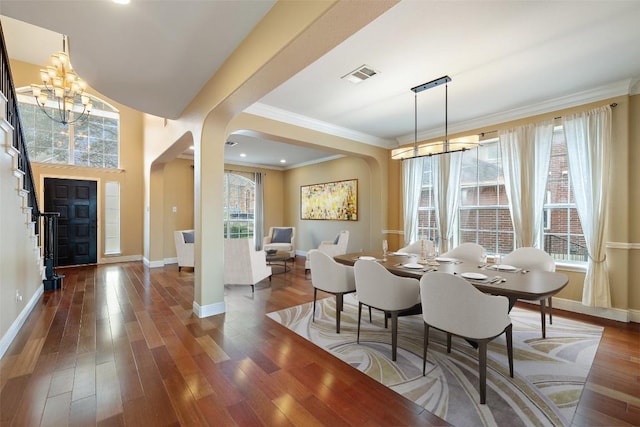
(184, 247)
(281, 239)
(243, 265)
(331, 248)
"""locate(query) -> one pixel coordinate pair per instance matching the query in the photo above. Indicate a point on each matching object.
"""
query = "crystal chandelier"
(62, 90)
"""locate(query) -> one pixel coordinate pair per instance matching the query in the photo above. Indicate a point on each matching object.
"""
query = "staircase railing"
(13, 117)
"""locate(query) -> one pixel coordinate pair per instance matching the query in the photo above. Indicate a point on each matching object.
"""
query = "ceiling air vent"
(230, 144)
(360, 74)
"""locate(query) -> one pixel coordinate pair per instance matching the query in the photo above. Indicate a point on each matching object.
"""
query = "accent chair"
(243, 265)
(281, 239)
(184, 247)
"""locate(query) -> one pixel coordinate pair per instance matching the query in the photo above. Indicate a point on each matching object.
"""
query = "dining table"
(511, 282)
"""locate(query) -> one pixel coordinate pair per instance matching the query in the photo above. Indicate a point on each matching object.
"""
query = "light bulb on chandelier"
(62, 89)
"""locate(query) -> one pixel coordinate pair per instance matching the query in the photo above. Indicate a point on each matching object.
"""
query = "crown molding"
(295, 119)
(619, 88)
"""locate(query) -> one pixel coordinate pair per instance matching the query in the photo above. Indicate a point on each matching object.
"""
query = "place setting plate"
(474, 276)
(445, 259)
(413, 266)
(367, 258)
(505, 267)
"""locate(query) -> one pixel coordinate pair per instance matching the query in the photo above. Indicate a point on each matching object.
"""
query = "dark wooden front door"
(77, 203)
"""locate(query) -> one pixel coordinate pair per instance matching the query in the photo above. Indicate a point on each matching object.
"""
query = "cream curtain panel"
(412, 170)
(526, 154)
(446, 194)
(588, 136)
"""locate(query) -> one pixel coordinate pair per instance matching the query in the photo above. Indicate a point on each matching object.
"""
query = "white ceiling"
(507, 59)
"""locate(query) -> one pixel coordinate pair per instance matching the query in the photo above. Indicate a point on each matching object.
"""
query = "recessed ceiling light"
(283, 161)
(243, 155)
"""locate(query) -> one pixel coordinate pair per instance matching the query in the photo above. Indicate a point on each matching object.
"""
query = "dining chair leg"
(482, 357)
(359, 316)
(386, 320)
(543, 318)
(425, 343)
(394, 335)
(550, 310)
(448, 342)
(315, 294)
(370, 321)
(338, 311)
(509, 333)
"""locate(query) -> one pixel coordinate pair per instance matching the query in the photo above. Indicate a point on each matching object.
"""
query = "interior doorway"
(77, 202)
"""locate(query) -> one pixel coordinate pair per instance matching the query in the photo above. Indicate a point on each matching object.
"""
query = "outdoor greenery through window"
(483, 213)
(92, 141)
(239, 209)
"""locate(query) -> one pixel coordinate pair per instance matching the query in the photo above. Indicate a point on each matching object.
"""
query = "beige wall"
(129, 175)
(178, 193)
(309, 233)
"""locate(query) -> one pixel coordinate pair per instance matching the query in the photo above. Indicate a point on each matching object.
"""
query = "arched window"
(92, 141)
(239, 207)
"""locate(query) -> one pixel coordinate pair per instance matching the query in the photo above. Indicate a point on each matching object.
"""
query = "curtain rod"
(612, 105)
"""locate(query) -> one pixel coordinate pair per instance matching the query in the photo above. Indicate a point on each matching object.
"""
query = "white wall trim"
(13, 330)
(208, 310)
(622, 245)
(289, 117)
(611, 90)
(398, 232)
(153, 264)
(119, 258)
(173, 260)
(618, 314)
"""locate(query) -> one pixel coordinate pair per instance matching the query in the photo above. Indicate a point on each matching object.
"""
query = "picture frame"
(333, 201)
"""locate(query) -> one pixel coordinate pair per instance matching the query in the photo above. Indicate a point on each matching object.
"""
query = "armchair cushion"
(281, 235)
(188, 236)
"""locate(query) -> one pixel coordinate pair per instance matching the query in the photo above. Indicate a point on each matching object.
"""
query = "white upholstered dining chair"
(468, 251)
(416, 247)
(534, 259)
(329, 276)
(454, 306)
(381, 289)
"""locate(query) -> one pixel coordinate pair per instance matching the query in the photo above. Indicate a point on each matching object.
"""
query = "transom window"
(92, 141)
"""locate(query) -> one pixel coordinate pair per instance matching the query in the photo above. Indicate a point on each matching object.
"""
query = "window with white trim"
(239, 208)
(483, 215)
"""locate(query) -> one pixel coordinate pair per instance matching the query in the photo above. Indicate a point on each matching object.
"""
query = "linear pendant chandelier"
(62, 90)
(437, 147)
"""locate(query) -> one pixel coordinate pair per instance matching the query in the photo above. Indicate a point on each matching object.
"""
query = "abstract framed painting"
(337, 201)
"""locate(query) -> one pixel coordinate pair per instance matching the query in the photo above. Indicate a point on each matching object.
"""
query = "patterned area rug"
(549, 374)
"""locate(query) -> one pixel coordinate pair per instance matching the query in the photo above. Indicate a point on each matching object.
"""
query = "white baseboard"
(170, 260)
(618, 314)
(11, 334)
(114, 259)
(208, 310)
(153, 264)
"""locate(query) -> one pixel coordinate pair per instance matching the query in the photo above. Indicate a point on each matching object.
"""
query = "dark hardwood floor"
(119, 345)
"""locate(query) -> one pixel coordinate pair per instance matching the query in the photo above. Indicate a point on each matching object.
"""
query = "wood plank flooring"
(119, 346)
